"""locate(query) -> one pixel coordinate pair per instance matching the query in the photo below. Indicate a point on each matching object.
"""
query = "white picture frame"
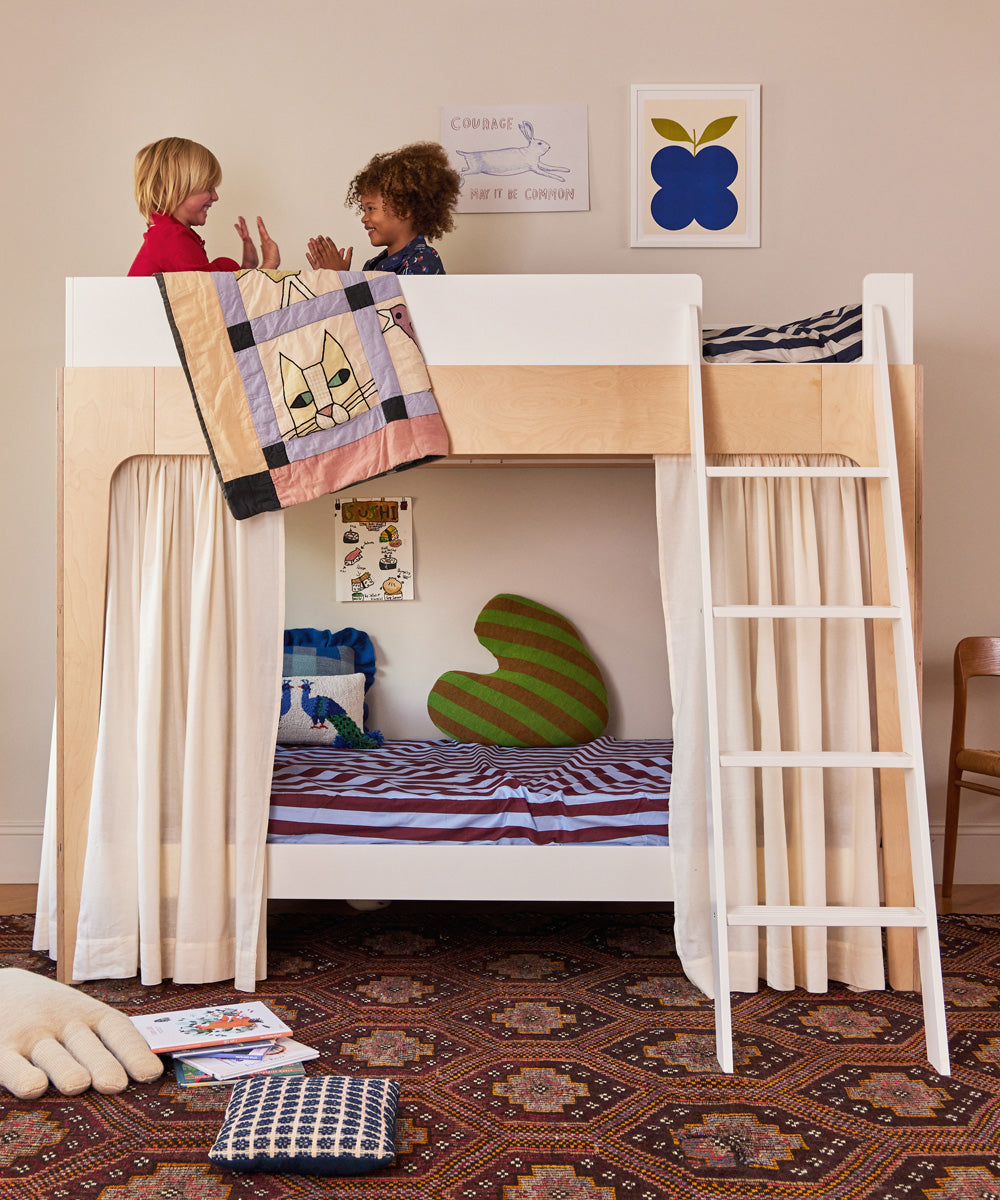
(519, 157)
(672, 202)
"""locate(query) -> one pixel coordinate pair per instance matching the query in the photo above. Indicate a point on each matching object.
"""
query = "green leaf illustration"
(715, 129)
(673, 131)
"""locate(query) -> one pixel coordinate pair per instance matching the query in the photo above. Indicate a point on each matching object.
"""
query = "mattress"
(606, 791)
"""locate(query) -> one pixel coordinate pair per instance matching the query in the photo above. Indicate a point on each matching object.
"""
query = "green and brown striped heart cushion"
(548, 691)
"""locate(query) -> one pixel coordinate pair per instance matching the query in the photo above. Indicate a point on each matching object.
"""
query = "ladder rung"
(797, 472)
(816, 758)
(806, 915)
(829, 612)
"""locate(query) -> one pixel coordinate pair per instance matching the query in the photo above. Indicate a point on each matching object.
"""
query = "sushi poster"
(374, 548)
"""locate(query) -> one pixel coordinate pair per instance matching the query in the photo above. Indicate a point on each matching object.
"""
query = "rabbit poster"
(374, 549)
(519, 157)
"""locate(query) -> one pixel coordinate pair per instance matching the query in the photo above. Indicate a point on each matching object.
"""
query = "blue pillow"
(326, 653)
(318, 660)
(309, 1125)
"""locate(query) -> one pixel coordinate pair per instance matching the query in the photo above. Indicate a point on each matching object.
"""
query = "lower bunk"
(442, 820)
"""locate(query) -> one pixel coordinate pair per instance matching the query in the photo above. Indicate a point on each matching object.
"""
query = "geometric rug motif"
(557, 1054)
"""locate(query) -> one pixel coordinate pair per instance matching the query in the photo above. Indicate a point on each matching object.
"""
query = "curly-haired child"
(404, 197)
(175, 186)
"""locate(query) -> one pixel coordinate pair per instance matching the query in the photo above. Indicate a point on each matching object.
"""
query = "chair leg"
(950, 834)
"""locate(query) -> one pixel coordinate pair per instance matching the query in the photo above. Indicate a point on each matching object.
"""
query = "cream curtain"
(792, 837)
(174, 874)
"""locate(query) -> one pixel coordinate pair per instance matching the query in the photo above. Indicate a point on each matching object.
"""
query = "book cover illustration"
(189, 1075)
(203, 1028)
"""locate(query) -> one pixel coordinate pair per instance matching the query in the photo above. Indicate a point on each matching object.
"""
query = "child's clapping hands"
(323, 255)
(269, 257)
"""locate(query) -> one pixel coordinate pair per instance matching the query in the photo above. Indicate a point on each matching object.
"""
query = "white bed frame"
(579, 368)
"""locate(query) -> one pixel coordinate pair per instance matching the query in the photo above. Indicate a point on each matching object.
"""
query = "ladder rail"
(929, 952)
(716, 859)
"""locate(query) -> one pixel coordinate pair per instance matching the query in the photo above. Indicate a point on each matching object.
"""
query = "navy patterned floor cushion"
(309, 1125)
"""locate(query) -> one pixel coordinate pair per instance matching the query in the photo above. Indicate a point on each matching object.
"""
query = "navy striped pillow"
(832, 337)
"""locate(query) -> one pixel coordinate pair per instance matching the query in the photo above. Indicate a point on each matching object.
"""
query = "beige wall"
(879, 127)
(581, 540)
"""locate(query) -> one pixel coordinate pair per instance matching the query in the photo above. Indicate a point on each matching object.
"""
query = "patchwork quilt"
(305, 382)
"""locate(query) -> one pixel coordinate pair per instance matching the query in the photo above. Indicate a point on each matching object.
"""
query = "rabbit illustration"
(513, 160)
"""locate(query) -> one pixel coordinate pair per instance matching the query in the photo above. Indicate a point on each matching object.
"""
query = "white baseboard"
(20, 851)
(977, 859)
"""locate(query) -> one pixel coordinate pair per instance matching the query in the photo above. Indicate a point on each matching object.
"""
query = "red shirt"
(170, 246)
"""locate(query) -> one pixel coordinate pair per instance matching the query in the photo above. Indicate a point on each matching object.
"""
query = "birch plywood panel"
(106, 414)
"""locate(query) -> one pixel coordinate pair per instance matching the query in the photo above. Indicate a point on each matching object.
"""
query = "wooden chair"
(973, 656)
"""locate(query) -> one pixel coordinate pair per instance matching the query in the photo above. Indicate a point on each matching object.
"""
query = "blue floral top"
(415, 258)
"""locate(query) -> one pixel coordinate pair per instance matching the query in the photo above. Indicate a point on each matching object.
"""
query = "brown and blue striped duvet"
(605, 791)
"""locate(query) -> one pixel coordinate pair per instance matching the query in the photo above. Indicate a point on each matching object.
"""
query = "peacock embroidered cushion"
(317, 710)
(309, 1125)
(547, 690)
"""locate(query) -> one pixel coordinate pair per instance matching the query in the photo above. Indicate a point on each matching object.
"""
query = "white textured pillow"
(309, 701)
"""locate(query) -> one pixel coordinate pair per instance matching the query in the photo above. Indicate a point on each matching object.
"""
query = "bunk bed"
(571, 369)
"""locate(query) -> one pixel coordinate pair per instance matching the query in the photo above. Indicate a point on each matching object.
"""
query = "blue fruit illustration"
(694, 184)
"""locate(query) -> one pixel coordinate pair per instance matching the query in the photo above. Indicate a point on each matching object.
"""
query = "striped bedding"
(832, 337)
(431, 791)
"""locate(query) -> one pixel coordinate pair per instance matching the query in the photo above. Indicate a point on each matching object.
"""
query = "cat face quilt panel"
(305, 382)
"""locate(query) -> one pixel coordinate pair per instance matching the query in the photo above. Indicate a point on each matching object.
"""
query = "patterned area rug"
(556, 1055)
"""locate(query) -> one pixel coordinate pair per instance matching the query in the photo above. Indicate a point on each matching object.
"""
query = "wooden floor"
(969, 898)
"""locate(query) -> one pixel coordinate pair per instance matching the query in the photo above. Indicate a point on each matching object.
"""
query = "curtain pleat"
(173, 883)
(805, 836)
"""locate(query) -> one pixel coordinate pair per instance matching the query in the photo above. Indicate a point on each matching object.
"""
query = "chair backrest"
(973, 656)
(976, 656)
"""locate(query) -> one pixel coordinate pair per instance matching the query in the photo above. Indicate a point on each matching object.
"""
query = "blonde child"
(404, 198)
(175, 186)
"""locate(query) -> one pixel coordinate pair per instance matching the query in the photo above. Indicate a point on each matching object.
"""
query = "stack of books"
(224, 1042)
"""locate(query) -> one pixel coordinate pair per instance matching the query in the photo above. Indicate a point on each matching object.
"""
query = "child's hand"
(268, 248)
(250, 258)
(323, 255)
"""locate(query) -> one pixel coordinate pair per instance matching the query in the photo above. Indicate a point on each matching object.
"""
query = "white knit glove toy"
(73, 1040)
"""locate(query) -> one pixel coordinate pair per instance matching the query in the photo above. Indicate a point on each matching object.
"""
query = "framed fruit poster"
(696, 164)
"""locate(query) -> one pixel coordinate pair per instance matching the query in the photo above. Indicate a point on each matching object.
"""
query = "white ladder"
(922, 917)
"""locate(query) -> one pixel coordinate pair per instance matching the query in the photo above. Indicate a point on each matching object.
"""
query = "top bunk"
(524, 368)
